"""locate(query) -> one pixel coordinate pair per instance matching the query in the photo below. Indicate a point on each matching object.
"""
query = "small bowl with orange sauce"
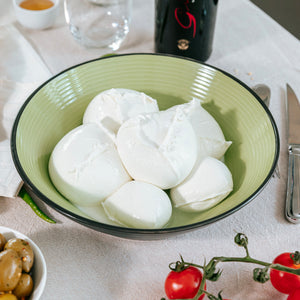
(36, 14)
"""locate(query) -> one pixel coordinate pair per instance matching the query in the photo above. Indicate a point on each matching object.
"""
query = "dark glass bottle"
(185, 27)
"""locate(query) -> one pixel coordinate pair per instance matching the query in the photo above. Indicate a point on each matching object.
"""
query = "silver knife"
(292, 210)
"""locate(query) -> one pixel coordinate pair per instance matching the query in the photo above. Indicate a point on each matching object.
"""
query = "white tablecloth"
(85, 264)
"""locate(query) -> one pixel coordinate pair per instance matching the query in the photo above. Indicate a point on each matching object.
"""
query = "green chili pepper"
(108, 54)
(25, 196)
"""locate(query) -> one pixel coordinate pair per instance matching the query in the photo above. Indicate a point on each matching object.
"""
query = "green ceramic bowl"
(58, 106)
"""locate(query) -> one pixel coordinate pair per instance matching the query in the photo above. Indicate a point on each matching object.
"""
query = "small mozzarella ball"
(139, 205)
(210, 138)
(208, 184)
(113, 107)
(85, 166)
(158, 148)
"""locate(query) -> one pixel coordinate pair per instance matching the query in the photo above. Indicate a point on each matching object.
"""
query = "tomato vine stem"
(211, 273)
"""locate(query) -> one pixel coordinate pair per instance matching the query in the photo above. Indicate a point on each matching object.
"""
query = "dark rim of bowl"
(136, 231)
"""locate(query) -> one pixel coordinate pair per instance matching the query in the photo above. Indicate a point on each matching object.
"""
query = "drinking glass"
(98, 23)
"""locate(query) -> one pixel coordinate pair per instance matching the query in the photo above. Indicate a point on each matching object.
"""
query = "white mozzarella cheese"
(113, 107)
(139, 205)
(85, 166)
(210, 138)
(208, 184)
(158, 148)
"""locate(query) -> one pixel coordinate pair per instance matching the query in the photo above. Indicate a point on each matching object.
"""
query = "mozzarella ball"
(113, 107)
(85, 166)
(210, 138)
(158, 148)
(208, 184)
(139, 205)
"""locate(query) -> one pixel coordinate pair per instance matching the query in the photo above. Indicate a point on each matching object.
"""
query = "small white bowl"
(39, 269)
(36, 19)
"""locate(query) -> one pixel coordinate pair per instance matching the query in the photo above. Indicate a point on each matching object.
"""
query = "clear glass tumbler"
(98, 23)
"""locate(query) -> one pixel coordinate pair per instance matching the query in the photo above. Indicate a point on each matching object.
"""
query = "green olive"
(2, 241)
(24, 286)
(10, 270)
(24, 250)
(8, 297)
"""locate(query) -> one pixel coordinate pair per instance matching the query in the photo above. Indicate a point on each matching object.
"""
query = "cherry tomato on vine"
(282, 281)
(294, 295)
(184, 284)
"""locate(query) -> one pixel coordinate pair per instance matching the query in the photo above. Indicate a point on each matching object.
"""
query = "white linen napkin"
(21, 71)
(12, 96)
(10, 181)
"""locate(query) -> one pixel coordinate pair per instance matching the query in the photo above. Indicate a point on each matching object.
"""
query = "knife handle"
(292, 211)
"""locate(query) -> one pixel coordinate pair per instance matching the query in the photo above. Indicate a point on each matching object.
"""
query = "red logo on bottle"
(180, 13)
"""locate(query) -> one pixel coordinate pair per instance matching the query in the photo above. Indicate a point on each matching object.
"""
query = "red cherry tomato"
(184, 284)
(294, 295)
(282, 281)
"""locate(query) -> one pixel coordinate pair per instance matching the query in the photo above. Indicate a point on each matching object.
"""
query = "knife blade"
(292, 209)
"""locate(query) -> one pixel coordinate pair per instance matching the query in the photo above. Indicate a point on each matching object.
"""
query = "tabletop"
(85, 264)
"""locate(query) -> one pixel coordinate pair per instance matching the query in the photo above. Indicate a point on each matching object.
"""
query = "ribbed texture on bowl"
(58, 106)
